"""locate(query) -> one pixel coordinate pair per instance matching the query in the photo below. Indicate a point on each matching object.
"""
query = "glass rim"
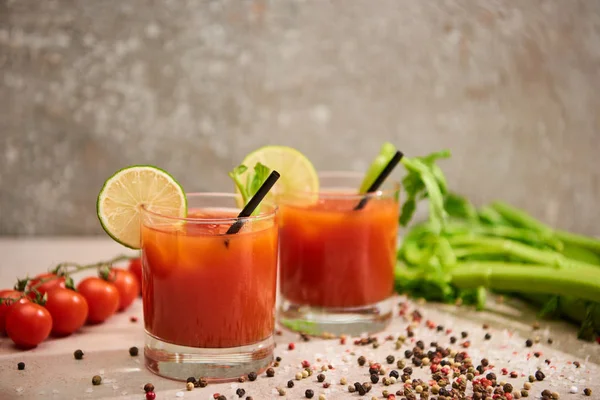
(220, 221)
(340, 195)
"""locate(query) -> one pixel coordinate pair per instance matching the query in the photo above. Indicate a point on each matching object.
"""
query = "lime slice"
(120, 200)
(386, 153)
(297, 172)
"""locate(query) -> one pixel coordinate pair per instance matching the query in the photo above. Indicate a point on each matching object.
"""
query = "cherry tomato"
(51, 281)
(28, 324)
(127, 285)
(102, 298)
(4, 307)
(135, 267)
(69, 310)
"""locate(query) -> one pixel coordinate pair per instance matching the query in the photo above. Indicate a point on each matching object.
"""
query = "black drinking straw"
(253, 203)
(382, 177)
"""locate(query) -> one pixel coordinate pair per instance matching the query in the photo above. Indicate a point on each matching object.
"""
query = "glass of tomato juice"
(209, 296)
(336, 261)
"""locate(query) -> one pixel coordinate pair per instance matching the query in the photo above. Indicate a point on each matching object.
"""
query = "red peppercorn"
(391, 397)
(150, 395)
(291, 346)
(508, 396)
(305, 364)
(504, 371)
(133, 319)
(343, 340)
(216, 395)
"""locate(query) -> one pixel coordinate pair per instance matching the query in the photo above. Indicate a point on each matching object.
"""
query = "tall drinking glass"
(337, 261)
(209, 297)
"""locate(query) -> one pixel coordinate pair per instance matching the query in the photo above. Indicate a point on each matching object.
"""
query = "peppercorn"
(394, 374)
(550, 341)
(309, 393)
(529, 343)
(420, 344)
(343, 381)
(362, 360)
(281, 391)
(96, 380)
(305, 374)
(191, 380)
(539, 375)
(531, 378)
(275, 364)
(487, 336)
(367, 386)
(390, 359)
(150, 395)
(252, 376)
(440, 328)
(222, 397)
(249, 398)
(320, 377)
(133, 351)
(587, 391)
(270, 372)
(21, 366)
(201, 382)
(290, 384)
(291, 346)
(148, 387)
(189, 386)
(524, 393)
(576, 364)
(527, 385)
(374, 378)
(400, 364)
(417, 362)
(78, 354)
(385, 393)
(361, 390)
(240, 392)
(278, 359)
(464, 334)
(508, 388)
(491, 376)
(485, 362)
(351, 389)
(242, 379)
(408, 354)
(322, 397)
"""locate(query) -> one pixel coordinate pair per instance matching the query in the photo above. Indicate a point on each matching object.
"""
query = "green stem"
(583, 283)
(519, 250)
(520, 217)
(579, 240)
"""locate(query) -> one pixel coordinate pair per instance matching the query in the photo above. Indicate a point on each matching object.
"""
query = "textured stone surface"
(88, 87)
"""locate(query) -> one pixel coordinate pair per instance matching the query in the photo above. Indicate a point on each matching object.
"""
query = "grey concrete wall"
(86, 87)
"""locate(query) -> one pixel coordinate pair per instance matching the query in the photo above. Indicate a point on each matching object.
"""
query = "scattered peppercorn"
(524, 393)
(408, 354)
(320, 377)
(133, 351)
(550, 341)
(539, 375)
(576, 364)
(452, 339)
(390, 359)
(78, 354)
(96, 380)
(222, 397)
(252, 376)
(150, 395)
(374, 378)
(514, 374)
(148, 387)
(281, 391)
(322, 397)
(362, 360)
(508, 388)
(587, 391)
(270, 372)
(240, 392)
(133, 319)
(242, 379)
(309, 393)
(531, 378)
(21, 366)
(191, 380)
(278, 359)
(189, 386)
(529, 343)
(527, 385)
(487, 336)
(491, 376)
(394, 374)
(464, 334)
(291, 346)
(351, 389)
(367, 386)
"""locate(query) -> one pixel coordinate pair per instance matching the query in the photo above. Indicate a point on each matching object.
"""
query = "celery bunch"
(462, 251)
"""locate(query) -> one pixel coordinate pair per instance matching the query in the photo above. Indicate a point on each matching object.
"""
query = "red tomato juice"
(204, 289)
(334, 256)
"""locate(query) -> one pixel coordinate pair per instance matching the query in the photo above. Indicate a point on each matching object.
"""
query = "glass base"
(330, 321)
(215, 364)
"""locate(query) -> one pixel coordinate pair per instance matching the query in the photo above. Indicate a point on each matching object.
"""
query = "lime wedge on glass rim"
(386, 153)
(297, 172)
(123, 194)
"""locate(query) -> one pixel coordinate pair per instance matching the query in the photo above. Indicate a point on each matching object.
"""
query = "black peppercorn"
(408, 354)
(222, 397)
(252, 376)
(374, 378)
(133, 351)
(290, 384)
(491, 376)
(320, 377)
(452, 339)
(587, 391)
(529, 343)
(394, 374)
(240, 392)
(577, 364)
(485, 362)
(390, 359)
(201, 382)
(278, 359)
(21, 366)
(96, 380)
(78, 354)
(270, 372)
(309, 394)
(148, 387)
(420, 344)
(191, 379)
(487, 336)
(417, 362)
(508, 388)
(408, 370)
(464, 334)
(360, 389)
(539, 375)
(362, 360)
(440, 328)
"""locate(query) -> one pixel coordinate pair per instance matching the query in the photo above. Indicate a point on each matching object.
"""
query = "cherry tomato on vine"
(102, 298)
(28, 324)
(127, 285)
(135, 267)
(50, 282)
(4, 306)
(69, 310)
